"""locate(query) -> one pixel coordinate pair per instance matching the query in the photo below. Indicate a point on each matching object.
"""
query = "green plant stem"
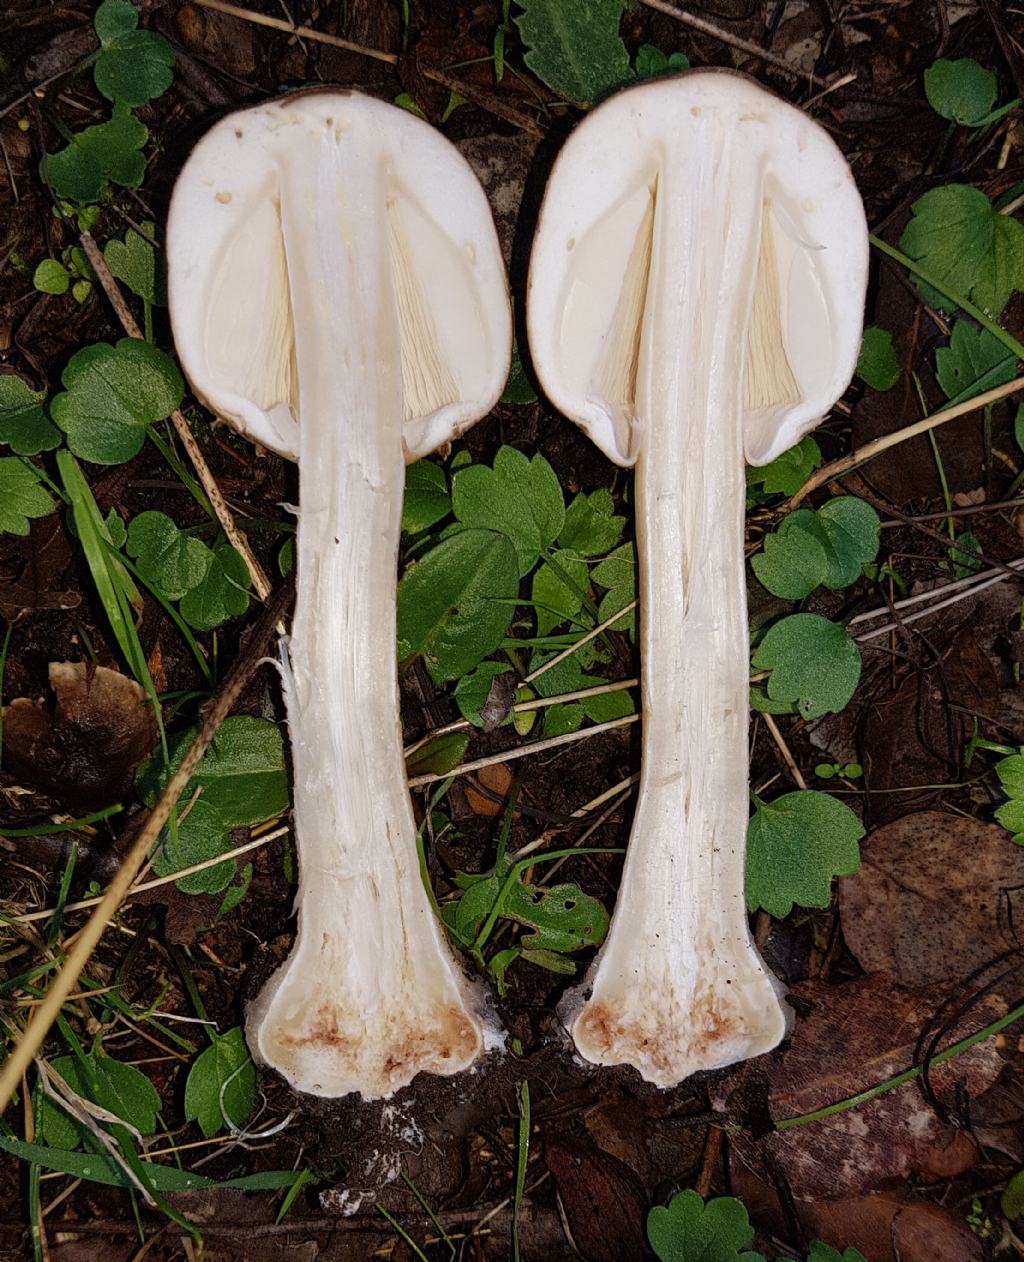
(522, 1160)
(906, 1075)
(997, 331)
(44, 830)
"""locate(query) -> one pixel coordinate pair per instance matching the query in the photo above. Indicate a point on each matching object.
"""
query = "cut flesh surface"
(696, 294)
(338, 295)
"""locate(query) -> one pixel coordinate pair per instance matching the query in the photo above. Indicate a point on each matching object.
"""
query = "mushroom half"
(696, 295)
(337, 294)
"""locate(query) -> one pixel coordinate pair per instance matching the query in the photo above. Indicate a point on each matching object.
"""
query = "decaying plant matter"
(337, 294)
(696, 294)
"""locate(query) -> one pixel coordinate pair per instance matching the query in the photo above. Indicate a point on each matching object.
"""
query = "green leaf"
(591, 527)
(426, 496)
(795, 846)
(520, 498)
(133, 262)
(965, 563)
(133, 66)
(821, 1252)
(605, 706)
(237, 892)
(452, 606)
(1011, 775)
(687, 1230)
(1011, 816)
(574, 46)
(617, 572)
(473, 690)
(242, 773)
(221, 1084)
(24, 425)
(878, 364)
(112, 395)
(21, 496)
(222, 594)
(558, 601)
(519, 388)
(201, 835)
(119, 1088)
(793, 561)
(169, 560)
(109, 152)
(977, 253)
(1012, 1201)
(852, 534)
(51, 277)
(559, 719)
(108, 1171)
(787, 473)
(651, 61)
(961, 91)
(814, 666)
(974, 361)
(438, 756)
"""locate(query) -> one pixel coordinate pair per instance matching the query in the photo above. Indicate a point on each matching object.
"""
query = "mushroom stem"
(679, 985)
(396, 1003)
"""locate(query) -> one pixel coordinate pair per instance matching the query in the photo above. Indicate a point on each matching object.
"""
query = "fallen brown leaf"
(604, 1200)
(83, 749)
(937, 897)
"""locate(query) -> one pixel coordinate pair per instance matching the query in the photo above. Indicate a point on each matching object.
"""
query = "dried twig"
(85, 942)
(877, 445)
(302, 32)
(734, 41)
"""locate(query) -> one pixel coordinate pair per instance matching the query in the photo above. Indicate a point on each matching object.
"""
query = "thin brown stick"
(709, 1162)
(877, 445)
(303, 32)
(86, 941)
(734, 41)
(783, 748)
(522, 751)
(208, 482)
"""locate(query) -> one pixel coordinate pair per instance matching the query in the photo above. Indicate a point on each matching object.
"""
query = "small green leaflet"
(133, 66)
(591, 527)
(453, 605)
(830, 547)
(821, 1252)
(520, 498)
(787, 473)
(558, 590)
(1011, 814)
(795, 846)
(438, 756)
(242, 773)
(51, 277)
(480, 700)
(519, 388)
(200, 836)
(688, 1230)
(119, 1088)
(221, 1085)
(426, 496)
(21, 495)
(974, 361)
(24, 425)
(961, 557)
(651, 61)
(112, 395)
(169, 560)
(1012, 1200)
(574, 46)
(560, 917)
(878, 364)
(962, 91)
(814, 665)
(222, 594)
(967, 245)
(617, 573)
(110, 152)
(133, 261)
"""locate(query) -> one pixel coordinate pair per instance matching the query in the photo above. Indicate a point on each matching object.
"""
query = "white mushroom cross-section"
(696, 296)
(337, 294)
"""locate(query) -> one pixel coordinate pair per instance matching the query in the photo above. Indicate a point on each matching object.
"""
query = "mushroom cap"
(587, 295)
(230, 286)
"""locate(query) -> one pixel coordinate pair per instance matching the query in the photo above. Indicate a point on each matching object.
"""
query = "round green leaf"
(814, 665)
